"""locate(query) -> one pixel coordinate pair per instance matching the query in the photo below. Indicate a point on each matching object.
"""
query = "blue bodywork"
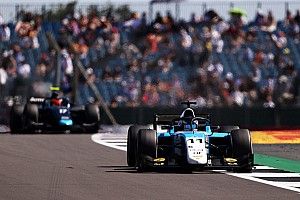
(65, 122)
(207, 133)
(56, 117)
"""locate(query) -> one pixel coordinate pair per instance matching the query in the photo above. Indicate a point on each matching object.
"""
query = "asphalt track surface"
(57, 167)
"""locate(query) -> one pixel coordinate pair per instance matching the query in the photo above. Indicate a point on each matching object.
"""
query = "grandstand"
(135, 60)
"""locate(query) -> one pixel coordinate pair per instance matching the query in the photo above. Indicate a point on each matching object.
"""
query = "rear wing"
(167, 119)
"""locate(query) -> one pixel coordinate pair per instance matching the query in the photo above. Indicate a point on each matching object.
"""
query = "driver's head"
(188, 112)
(54, 95)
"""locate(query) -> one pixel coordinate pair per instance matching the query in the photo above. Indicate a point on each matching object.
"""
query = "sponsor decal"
(36, 100)
(159, 159)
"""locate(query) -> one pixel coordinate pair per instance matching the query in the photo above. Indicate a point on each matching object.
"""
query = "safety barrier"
(254, 118)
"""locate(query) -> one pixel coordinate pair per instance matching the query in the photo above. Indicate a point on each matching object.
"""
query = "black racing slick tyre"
(242, 149)
(92, 114)
(31, 116)
(16, 119)
(228, 128)
(31, 112)
(146, 147)
(132, 144)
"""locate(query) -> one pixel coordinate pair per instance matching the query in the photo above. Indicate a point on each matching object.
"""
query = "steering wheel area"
(188, 123)
(201, 122)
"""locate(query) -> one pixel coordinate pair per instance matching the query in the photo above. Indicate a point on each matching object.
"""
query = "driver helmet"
(54, 95)
(188, 112)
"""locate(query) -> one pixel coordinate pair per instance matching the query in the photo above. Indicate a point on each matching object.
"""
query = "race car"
(53, 114)
(189, 142)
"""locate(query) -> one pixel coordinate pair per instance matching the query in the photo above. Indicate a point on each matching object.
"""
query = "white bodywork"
(196, 150)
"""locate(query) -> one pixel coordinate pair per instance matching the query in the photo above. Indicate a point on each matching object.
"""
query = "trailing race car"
(54, 114)
(189, 142)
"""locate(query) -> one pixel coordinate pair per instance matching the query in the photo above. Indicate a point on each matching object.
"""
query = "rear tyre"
(242, 149)
(228, 128)
(92, 113)
(31, 116)
(16, 122)
(146, 147)
(132, 144)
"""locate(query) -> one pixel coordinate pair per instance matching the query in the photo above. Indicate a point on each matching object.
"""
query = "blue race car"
(189, 142)
(53, 114)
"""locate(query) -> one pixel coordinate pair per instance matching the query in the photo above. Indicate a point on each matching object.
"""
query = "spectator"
(269, 102)
(4, 32)
(210, 60)
(24, 70)
(134, 22)
(297, 17)
(269, 24)
(280, 40)
(259, 18)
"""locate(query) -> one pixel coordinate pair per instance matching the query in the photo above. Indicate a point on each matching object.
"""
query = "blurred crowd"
(135, 62)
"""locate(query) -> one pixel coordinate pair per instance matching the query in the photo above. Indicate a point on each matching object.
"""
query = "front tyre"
(16, 122)
(92, 115)
(146, 148)
(31, 116)
(242, 149)
(132, 144)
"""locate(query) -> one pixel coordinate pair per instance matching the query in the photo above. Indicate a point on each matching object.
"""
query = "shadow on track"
(126, 169)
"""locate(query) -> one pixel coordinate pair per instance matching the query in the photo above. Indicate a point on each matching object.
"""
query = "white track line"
(264, 167)
(272, 183)
(291, 184)
(114, 141)
(98, 138)
(274, 175)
